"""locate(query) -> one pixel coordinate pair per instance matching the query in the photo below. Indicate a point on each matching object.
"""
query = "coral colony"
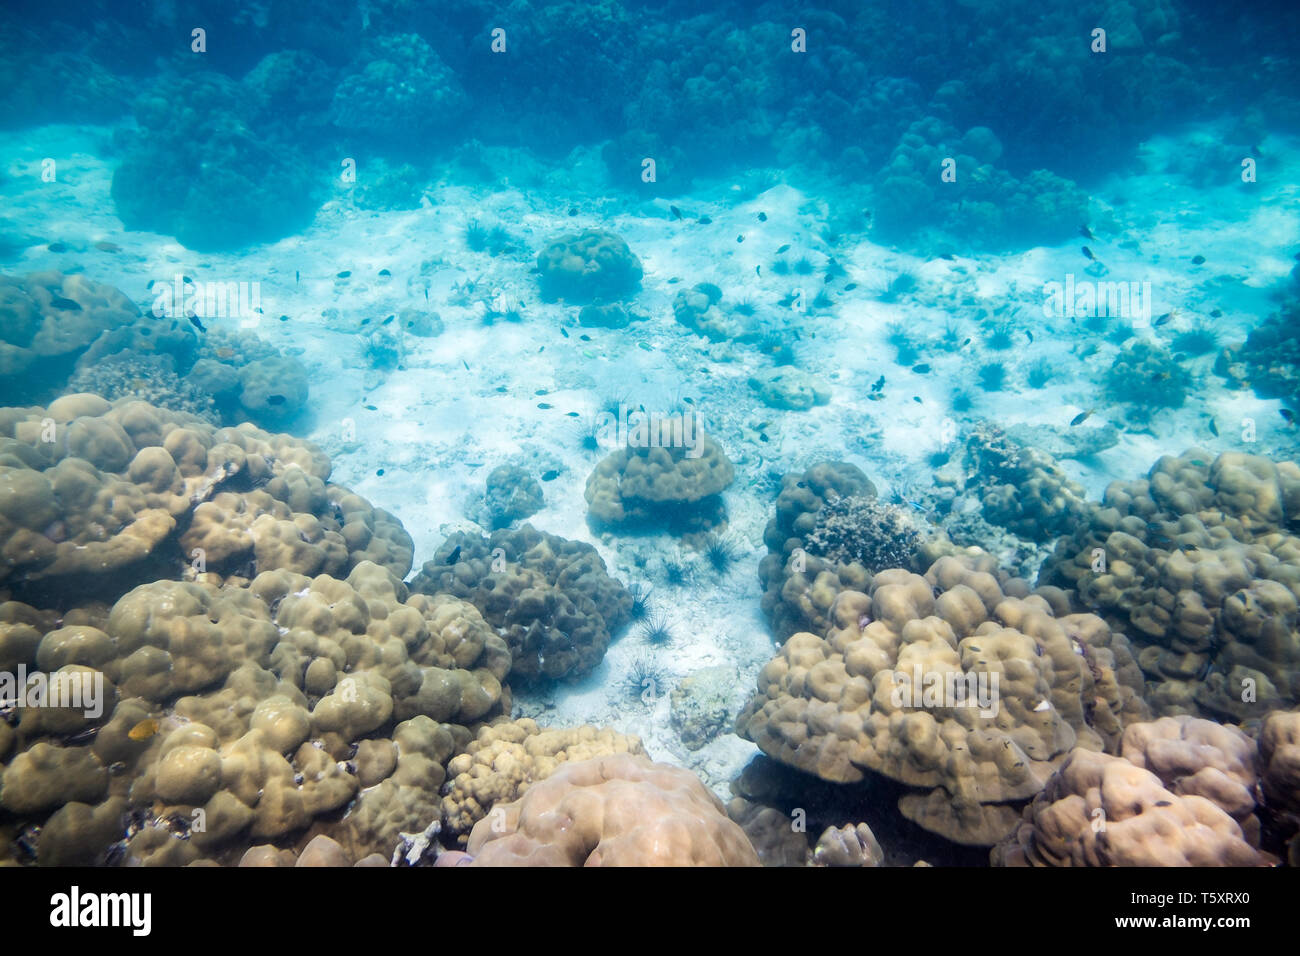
(582, 433)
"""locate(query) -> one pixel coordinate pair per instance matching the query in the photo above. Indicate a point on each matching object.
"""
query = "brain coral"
(903, 686)
(588, 266)
(1199, 565)
(674, 478)
(618, 810)
(550, 597)
(91, 491)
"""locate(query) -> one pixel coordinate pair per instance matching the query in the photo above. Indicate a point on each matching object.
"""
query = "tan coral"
(617, 810)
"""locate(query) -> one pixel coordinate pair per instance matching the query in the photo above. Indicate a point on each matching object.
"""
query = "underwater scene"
(610, 433)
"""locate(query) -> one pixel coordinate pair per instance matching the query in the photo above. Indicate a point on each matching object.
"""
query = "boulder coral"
(966, 690)
(588, 266)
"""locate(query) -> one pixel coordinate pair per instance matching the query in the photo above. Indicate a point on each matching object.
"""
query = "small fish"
(426, 293)
(879, 384)
(917, 399)
(57, 247)
(964, 344)
(284, 318)
(297, 277)
(1087, 254)
(1161, 320)
(758, 271)
(1216, 313)
(677, 213)
(674, 280)
(1030, 334)
(194, 321)
(107, 247)
(762, 436)
(572, 414)
(1163, 803)
(948, 256)
(454, 556)
(1081, 417)
(1214, 428)
(542, 391)
(464, 363)
(762, 217)
(563, 332)
(1198, 260)
(922, 369)
(644, 347)
(68, 305)
(784, 248)
(345, 274)
(1087, 233)
(585, 337)
(379, 472)
(502, 388)
(550, 475)
(387, 320)
(275, 399)
(144, 729)
(385, 273)
(573, 210)
(371, 408)
(365, 321)
(1288, 415)
(740, 238)
(850, 287)
(545, 406)
(705, 221)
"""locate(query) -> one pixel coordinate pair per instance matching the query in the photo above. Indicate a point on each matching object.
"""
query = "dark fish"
(1214, 429)
(677, 213)
(371, 408)
(879, 384)
(57, 247)
(464, 363)
(674, 280)
(1030, 334)
(740, 238)
(964, 344)
(541, 391)
(1198, 260)
(346, 273)
(762, 436)
(550, 475)
(296, 277)
(1082, 417)
(275, 399)
(387, 320)
(1288, 415)
(379, 473)
(758, 271)
(68, 305)
(1163, 319)
(784, 248)
(573, 414)
(385, 272)
(194, 321)
(705, 221)
(762, 217)
(545, 406)
(850, 287)
(922, 369)
(1087, 253)
(917, 399)
(426, 293)
(563, 332)
(947, 255)
(1163, 803)
(502, 388)
(365, 321)
(454, 556)
(1087, 233)
(585, 337)
(573, 210)
(1216, 313)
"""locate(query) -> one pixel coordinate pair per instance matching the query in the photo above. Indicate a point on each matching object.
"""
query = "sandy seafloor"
(441, 425)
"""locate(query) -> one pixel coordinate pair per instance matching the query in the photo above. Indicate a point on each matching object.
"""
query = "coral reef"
(1147, 378)
(966, 690)
(789, 388)
(551, 598)
(619, 810)
(1197, 563)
